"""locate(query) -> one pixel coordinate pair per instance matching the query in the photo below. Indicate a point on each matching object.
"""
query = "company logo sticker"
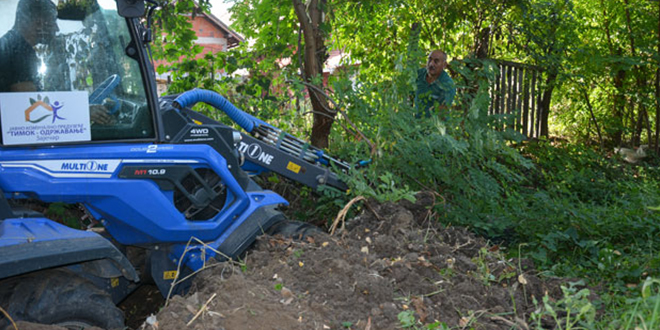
(90, 166)
(69, 168)
(38, 117)
(255, 152)
(32, 112)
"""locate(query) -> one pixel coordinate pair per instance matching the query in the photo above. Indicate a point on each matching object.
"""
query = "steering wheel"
(105, 91)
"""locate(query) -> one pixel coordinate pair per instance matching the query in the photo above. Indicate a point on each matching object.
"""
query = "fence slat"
(519, 94)
(495, 101)
(509, 88)
(525, 104)
(503, 89)
(515, 91)
(533, 131)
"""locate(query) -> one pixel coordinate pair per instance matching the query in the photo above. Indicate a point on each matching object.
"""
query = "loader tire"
(295, 229)
(58, 297)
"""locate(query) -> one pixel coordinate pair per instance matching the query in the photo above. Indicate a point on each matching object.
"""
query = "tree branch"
(327, 97)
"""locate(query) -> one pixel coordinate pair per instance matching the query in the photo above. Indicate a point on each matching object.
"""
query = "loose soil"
(389, 262)
(386, 261)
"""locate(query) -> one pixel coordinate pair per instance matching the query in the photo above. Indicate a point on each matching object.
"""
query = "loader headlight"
(237, 137)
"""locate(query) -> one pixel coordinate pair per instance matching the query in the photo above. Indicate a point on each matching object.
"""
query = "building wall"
(212, 38)
(209, 36)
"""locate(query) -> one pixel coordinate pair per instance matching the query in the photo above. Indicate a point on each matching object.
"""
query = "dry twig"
(519, 324)
(8, 317)
(356, 132)
(342, 214)
(201, 310)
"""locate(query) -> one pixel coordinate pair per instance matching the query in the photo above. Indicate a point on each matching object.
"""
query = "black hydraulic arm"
(287, 164)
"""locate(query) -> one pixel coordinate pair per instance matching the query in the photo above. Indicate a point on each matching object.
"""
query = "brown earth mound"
(389, 268)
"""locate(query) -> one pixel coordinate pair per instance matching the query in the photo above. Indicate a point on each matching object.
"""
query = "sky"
(219, 10)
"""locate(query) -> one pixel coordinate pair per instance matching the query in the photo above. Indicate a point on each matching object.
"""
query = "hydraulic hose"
(259, 128)
(192, 97)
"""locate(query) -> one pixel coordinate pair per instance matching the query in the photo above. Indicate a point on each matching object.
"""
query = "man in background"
(435, 89)
(35, 24)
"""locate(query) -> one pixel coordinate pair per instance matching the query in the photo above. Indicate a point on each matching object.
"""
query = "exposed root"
(342, 214)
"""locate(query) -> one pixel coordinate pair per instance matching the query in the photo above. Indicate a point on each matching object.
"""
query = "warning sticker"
(295, 168)
(169, 275)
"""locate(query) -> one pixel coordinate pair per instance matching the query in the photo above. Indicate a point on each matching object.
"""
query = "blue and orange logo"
(44, 104)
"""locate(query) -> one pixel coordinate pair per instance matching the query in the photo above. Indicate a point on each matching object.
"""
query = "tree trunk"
(638, 126)
(593, 117)
(481, 46)
(657, 94)
(310, 16)
(544, 105)
(618, 101)
(618, 105)
(643, 117)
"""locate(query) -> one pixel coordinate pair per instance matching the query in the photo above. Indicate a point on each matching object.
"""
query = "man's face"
(37, 21)
(437, 62)
(45, 26)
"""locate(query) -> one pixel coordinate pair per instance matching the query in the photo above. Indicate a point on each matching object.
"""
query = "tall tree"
(311, 17)
(545, 31)
(657, 90)
(294, 30)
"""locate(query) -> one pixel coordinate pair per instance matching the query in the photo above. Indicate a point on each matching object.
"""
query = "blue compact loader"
(169, 188)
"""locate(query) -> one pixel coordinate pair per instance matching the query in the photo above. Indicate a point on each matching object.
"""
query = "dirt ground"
(386, 261)
(389, 268)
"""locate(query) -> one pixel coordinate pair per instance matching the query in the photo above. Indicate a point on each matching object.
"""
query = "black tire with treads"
(58, 297)
(296, 230)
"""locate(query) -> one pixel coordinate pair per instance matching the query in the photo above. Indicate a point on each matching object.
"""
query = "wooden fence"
(517, 91)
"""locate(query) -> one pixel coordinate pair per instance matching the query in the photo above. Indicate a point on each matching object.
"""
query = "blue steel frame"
(134, 211)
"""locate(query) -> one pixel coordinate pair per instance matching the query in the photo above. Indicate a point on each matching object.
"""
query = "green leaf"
(407, 319)
(40, 119)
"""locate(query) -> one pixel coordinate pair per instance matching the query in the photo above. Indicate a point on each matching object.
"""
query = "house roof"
(233, 38)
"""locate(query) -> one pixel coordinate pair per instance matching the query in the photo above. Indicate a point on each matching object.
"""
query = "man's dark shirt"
(441, 91)
(18, 61)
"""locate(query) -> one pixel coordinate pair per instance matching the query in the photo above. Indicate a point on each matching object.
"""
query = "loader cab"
(72, 72)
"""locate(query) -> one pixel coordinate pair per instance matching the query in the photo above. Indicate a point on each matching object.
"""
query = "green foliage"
(483, 261)
(585, 200)
(611, 54)
(385, 187)
(471, 164)
(407, 320)
(642, 312)
(573, 311)
(381, 39)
